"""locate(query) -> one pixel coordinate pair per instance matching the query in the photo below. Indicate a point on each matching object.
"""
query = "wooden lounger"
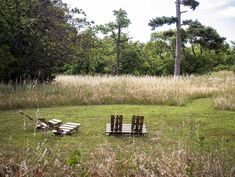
(51, 124)
(66, 129)
(54, 123)
(137, 127)
(42, 123)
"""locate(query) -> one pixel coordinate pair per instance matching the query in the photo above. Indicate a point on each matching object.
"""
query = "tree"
(35, 36)
(160, 21)
(84, 60)
(206, 36)
(160, 54)
(106, 56)
(115, 29)
(203, 49)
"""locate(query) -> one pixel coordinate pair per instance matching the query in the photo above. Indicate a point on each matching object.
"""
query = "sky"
(219, 14)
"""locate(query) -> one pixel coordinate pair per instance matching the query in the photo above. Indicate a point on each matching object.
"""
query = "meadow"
(190, 122)
(98, 90)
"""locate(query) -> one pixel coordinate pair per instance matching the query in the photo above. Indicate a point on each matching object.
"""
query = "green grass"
(197, 125)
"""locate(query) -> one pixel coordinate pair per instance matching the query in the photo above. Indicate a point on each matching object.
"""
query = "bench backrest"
(137, 124)
(116, 123)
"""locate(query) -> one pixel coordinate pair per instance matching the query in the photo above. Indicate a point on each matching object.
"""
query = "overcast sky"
(220, 14)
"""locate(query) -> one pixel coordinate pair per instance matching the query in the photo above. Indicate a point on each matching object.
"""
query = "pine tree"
(160, 21)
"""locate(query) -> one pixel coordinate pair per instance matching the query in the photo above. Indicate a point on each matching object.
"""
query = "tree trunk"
(178, 40)
(118, 50)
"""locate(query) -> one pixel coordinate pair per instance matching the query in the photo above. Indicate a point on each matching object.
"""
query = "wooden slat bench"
(66, 129)
(51, 124)
(54, 123)
(136, 128)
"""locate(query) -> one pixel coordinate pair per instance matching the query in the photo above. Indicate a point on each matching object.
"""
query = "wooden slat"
(126, 129)
(116, 123)
(137, 124)
(67, 125)
(67, 128)
(63, 132)
(112, 122)
(71, 123)
(53, 122)
(56, 120)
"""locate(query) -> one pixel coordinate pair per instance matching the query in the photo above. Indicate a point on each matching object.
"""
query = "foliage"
(84, 61)
(191, 3)
(160, 59)
(203, 49)
(132, 59)
(160, 21)
(74, 159)
(42, 38)
(206, 37)
(35, 36)
(116, 33)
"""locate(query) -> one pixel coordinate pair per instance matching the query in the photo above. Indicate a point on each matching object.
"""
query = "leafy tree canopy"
(115, 30)
(36, 35)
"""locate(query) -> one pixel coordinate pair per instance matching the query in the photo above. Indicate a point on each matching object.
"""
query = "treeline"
(41, 38)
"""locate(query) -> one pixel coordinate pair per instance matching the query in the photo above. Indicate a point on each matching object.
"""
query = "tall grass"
(82, 90)
(110, 161)
(132, 161)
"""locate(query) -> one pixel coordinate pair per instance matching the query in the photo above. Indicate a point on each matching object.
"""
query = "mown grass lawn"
(197, 125)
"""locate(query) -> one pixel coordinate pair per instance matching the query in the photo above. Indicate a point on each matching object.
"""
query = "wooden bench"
(51, 124)
(54, 123)
(66, 129)
(137, 127)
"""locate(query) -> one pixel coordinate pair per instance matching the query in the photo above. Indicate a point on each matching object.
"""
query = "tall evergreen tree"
(115, 29)
(160, 21)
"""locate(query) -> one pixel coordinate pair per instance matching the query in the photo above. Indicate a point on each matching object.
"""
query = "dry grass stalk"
(82, 90)
(110, 161)
(132, 161)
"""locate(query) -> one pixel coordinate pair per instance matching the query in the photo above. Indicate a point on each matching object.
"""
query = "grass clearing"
(196, 132)
(190, 122)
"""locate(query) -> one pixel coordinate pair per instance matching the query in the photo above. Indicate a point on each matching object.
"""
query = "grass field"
(190, 140)
(101, 90)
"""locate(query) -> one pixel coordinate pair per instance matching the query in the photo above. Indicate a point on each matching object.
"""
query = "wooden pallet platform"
(126, 129)
(66, 129)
